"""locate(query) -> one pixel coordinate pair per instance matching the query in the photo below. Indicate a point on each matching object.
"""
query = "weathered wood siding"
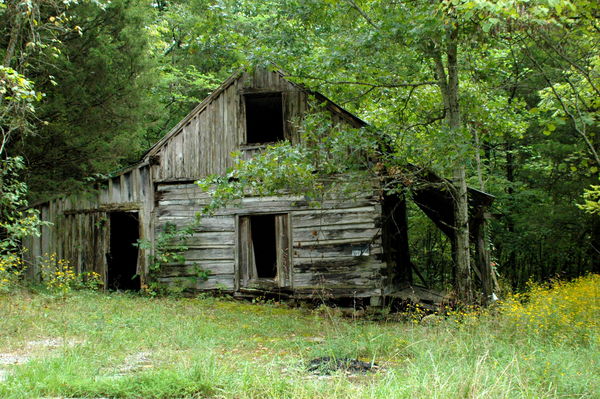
(323, 242)
(202, 143)
(81, 224)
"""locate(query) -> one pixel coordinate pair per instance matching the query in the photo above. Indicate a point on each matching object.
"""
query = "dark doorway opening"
(264, 118)
(123, 255)
(264, 251)
(265, 245)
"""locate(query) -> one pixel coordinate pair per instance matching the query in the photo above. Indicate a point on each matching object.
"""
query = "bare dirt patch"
(32, 349)
(133, 363)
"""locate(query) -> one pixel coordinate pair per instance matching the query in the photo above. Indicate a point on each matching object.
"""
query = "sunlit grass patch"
(128, 346)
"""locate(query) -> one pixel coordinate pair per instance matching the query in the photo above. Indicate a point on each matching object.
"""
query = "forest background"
(87, 86)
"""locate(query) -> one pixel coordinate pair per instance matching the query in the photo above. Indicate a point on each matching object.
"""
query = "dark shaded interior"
(265, 246)
(438, 205)
(122, 259)
(264, 118)
(434, 198)
(394, 236)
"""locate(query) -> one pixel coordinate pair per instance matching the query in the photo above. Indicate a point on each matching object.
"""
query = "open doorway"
(264, 250)
(265, 245)
(123, 255)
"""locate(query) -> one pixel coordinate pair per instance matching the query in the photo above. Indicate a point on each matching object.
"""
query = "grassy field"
(97, 345)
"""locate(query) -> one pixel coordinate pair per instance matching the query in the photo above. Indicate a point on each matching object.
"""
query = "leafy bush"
(16, 222)
(591, 198)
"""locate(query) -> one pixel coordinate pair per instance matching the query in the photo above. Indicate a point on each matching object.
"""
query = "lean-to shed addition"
(345, 248)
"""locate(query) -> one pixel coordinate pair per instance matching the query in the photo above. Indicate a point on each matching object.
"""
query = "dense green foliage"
(117, 75)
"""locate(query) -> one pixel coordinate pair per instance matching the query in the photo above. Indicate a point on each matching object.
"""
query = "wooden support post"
(482, 258)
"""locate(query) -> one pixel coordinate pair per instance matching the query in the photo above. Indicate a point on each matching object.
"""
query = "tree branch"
(564, 107)
(548, 43)
(429, 121)
(440, 71)
(369, 84)
(363, 14)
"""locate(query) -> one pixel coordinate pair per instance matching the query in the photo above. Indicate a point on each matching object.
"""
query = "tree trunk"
(511, 260)
(461, 203)
(461, 223)
(448, 83)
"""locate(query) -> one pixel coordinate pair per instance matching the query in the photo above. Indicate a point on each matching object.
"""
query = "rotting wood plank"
(316, 244)
(230, 124)
(111, 207)
(345, 280)
(204, 239)
(341, 280)
(223, 150)
(334, 292)
(332, 251)
(213, 144)
(144, 178)
(190, 149)
(204, 156)
(257, 205)
(210, 253)
(116, 189)
(344, 217)
(109, 190)
(193, 268)
(241, 115)
(315, 230)
(282, 240)
(204, 226)
(183, 151)
(224, 282)
(200, 151)
(337, 265)
(223, 147)
(122, 188)
(169, 159)
(313, 235)
(189, 189)
(301, 217)
(176, 171)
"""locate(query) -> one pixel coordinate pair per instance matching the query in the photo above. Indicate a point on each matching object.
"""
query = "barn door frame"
(113, 263)
(246, 268)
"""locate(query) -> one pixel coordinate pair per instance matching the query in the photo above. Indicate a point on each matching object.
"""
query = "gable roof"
(199, 108)
(331, 106)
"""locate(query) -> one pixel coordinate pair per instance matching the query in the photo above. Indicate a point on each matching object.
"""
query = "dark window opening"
(264, 118)
(123, 255)
(265, 245)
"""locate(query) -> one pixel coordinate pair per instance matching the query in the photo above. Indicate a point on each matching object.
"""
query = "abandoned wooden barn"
(345, 248)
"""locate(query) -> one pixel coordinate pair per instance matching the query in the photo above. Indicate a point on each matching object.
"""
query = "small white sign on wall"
(360, 251)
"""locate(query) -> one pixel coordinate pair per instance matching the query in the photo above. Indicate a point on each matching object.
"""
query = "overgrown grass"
(125, 346)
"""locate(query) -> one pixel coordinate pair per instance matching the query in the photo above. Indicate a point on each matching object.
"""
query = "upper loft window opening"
(264, 117)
